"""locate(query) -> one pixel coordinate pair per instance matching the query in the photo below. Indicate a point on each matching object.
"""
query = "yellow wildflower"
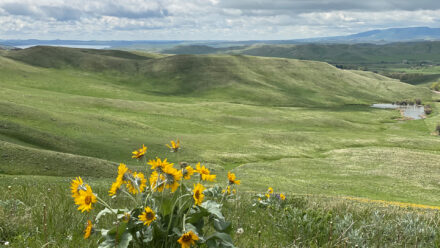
(126, 217)
(228, 190)
(114, 188)
(282, 197)
(137, 180)
(159, 165)
(188, 239)
(232, 179)
(198, 193)
(88, 229)
(139, 153)
(172, 177)
(147, 216)
(76, 186)
(157, 182)
(188, 172)
(85, 199)
(205, 173)
(175, 146)
(122, 170)
(270, 190)
(267, 196)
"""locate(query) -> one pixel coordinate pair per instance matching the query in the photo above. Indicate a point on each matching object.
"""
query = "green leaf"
(116, 237)
(196, 214)
(109, 211)
(215, 191)
(102, 213)
(148, 235)
(213, 208)
(218, 239)
(222, 225)
(122, 242)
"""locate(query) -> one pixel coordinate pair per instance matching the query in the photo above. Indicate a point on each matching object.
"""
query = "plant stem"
(106, 205)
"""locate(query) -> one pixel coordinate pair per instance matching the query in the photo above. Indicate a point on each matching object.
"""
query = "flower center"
(197, 194)
(150, 216)
(186, 238)
(88, 200)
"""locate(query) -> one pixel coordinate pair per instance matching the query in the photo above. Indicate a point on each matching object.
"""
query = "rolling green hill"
(240, 79)
(406, 61)
(351, 54)
(87, 59)
(83, 105)
(301, 127)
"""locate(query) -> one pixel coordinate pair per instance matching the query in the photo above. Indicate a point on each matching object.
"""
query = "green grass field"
(302, 127)
(411, 62)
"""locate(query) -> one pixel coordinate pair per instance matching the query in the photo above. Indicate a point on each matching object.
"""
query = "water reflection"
(415, 112)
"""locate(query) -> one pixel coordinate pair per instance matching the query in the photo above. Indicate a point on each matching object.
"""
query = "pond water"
(415, 112)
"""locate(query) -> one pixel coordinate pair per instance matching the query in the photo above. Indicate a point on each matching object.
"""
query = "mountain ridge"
(379, 36)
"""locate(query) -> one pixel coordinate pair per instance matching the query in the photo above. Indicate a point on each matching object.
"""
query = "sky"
(208, 19)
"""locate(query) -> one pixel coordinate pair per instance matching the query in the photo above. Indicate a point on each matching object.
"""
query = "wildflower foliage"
(270, 199)
(165, 210)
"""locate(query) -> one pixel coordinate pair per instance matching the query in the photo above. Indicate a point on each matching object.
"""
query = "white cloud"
(207, 19)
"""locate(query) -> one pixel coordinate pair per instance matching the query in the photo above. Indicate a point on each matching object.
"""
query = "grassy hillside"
(86, 59)
(228, 111)
(239, 79)
(352, 54)
(406, 61)
(301, 127)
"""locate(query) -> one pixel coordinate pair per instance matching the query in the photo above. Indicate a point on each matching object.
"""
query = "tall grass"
(305, 221)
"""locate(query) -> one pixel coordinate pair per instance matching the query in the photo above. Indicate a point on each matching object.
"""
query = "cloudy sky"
(207, 19)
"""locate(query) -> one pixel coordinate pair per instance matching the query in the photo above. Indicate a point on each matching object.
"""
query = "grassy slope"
(387, 59)
(77, 120)
(333, 53)
(301, 138)
(304, 221)
(239, 79)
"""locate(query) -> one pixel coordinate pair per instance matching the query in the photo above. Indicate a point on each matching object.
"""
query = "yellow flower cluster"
(232, 179)
(82, 194)
(232, 182)
(270, 192)
(160, 175)
(205, 173)
(135, 182)
(174, 146)
(164, 175)
(139, 153)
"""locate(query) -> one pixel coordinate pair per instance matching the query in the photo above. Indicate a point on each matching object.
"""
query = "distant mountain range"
(374, 36)
(384, 36)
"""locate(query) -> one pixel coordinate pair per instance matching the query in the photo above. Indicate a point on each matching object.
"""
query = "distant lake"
(65, 45)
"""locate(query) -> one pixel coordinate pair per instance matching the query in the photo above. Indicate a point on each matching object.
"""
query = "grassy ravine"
(301, 127)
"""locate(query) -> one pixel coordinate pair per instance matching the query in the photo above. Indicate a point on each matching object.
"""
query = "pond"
(414, 112)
